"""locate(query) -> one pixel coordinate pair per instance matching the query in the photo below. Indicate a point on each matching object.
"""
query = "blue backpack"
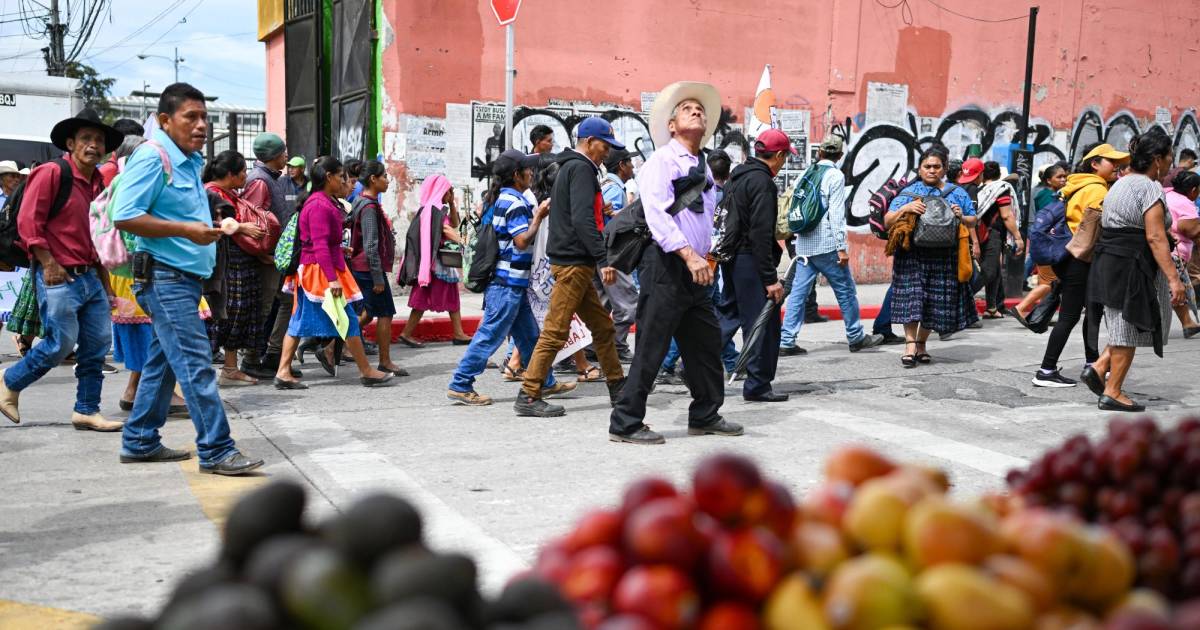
(1049, 234)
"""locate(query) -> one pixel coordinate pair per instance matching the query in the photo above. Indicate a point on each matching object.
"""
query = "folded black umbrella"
(754, 340)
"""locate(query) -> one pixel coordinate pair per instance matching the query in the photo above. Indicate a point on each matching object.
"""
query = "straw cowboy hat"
(676, 93)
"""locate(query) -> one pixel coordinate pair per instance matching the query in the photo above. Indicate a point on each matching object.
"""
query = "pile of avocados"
(363, 569)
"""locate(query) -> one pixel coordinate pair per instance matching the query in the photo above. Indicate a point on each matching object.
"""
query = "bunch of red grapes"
(1141, 481)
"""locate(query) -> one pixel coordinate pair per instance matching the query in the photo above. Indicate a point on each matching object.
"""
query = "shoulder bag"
(1084, 239)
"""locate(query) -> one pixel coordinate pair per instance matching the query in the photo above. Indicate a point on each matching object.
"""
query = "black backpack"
(485, 253)
(627, 235)
(12, 253)
(727, 228)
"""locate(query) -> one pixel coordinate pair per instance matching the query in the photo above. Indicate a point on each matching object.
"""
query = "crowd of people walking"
(176, 265)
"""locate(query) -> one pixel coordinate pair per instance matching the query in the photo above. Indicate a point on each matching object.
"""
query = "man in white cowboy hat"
(71, 286)
(10, 176)
(676, 299)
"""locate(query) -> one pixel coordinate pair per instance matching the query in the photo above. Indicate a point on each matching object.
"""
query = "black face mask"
(695, 175)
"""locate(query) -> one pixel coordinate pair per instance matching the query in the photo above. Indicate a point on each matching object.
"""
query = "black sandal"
(922, 357)
(512, 376)
(908, 360)
(394, 371)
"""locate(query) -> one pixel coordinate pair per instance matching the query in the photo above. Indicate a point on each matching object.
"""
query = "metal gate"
(350, 78)
(304, 54)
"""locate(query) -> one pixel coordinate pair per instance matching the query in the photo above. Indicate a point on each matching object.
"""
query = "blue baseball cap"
(597, 127)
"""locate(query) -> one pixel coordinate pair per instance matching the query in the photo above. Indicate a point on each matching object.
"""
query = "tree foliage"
(93, 89)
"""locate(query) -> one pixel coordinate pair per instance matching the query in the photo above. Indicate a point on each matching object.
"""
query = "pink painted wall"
(1090, 52)
(276, 92)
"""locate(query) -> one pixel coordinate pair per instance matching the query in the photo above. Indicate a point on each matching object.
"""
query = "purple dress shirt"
(654, 185)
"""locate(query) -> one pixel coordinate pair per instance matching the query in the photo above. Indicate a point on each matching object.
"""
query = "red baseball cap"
(773, 140)
(972, 168)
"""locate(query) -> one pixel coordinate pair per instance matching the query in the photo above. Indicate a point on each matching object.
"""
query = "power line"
(976, 19)
(260, 88)
(177, 41)
(154, 20)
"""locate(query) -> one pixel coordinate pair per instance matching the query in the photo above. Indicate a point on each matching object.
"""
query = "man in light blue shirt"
(823, 250)
(175, 251)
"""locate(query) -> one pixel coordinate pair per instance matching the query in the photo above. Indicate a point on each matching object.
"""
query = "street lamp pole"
(175, 61)
(145, 88)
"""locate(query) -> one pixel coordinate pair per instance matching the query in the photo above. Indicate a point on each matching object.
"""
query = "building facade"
(889, 79)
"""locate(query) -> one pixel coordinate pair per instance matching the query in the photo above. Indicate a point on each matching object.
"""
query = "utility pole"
(176, 60)
(510, 72)
(145, 88)
(55, 54)
(1021, 162)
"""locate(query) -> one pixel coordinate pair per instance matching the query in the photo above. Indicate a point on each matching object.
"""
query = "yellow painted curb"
(18, 616)
(216, 494)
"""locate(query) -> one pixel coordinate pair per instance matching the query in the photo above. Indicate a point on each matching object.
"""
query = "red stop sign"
(506, 10)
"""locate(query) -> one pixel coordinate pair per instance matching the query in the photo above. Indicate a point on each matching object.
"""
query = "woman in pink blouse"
(323, 286)
(1185, 229)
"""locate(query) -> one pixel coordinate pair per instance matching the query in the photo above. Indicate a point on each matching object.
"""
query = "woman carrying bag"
(240, 327)
(1084, 195)
(927, 295)
(372, 253)
(1132, 274)
(323, 287)
(435, 286)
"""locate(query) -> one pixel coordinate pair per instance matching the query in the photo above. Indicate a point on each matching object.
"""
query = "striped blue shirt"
(511, 215)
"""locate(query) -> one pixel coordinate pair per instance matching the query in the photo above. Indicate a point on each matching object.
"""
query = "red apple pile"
(1141, 481)
(877, 545)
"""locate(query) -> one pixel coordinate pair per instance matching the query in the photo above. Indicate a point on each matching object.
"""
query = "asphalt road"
(81, 534)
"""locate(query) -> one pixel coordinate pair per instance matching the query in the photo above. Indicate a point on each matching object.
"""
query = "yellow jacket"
(1081, 195)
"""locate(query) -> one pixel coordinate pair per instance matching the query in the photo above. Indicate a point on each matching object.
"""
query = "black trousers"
(1073, 285)
(991, 268)
(671, 305)
(811, 310)
(742, 299)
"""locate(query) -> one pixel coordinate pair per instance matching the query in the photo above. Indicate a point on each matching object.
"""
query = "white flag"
(764, 106)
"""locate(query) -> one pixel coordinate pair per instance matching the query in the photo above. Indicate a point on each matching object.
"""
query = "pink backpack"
(110, 242)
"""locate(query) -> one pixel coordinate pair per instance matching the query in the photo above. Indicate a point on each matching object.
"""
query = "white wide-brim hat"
(676, 93)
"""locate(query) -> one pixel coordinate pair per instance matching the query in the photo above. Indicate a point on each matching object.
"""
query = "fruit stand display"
(877, 545)
(1091, 537)
(1141, 481)
(364, 569)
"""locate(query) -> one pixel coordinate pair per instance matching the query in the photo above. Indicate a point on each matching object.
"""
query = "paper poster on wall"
(648, 100)
(887, 103)
(1162, 116)
(487, 137)
(926, 126)
(425, 146)
(794, 121)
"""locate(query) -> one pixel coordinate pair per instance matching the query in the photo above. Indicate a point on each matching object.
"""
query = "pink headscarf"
(433, 189)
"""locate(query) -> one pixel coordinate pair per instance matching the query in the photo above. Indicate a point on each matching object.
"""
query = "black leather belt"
(78, 270)
(154, 264)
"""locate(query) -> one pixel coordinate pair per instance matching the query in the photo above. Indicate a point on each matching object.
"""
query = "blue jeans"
(843, 288)
(75, 313)
(883, 322)
(179, 349)
(506, 311)
(729, 354)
